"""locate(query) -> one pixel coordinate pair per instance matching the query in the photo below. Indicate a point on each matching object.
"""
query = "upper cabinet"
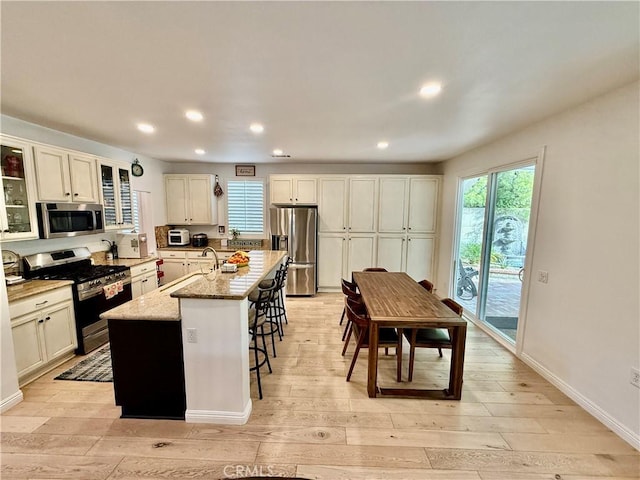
(65, 176)
(408, 204)
(116, 194)
(293, 190)
(190, 200)
(18, 220)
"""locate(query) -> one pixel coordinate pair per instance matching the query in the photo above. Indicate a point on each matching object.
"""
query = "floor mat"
(96, 368)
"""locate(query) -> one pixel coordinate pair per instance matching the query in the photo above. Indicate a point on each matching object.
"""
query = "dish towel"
(113, 289)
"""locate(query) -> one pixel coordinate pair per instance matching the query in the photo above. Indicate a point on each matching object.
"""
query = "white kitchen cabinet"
(178, 263)
(293, 190)
(393, 200)
(391, 252)
(190, 199)
(420, 257)
(332, 204)
(44, 332)
(144, 278)
(18, 219)
(339, 254)
(331, 259)
(423, 204)
(408, 204)
(361, 250)
(363, 204)
(116, 194)
(65, 176)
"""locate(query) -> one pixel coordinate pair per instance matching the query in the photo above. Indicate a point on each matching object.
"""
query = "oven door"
(92, 330)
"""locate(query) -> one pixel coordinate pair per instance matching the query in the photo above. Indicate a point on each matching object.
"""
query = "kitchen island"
(213, 313)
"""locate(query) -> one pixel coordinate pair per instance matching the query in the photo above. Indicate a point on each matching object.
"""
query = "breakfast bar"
(213, 312)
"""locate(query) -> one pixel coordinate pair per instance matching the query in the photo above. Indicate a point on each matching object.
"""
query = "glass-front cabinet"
(115, 185)
(18, 220)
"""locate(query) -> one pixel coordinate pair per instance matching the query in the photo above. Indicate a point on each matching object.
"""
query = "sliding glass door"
(492, 246)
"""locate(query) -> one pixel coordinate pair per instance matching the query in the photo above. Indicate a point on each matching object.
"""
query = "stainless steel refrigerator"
(294, 229)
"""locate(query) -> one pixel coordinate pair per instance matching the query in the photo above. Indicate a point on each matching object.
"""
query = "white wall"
(10, 394)
(582, 329)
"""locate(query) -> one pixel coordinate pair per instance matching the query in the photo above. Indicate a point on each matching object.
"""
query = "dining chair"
(360, 324)
(427, 285)
(430, 337)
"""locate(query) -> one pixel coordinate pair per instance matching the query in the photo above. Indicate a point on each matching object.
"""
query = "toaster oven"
(179, 236)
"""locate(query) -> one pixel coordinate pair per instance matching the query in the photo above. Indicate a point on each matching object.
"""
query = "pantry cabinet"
(44, 332)
(293, 190)
(65, 176)
(190, 200)
(116, 194)
(408, 204)
(18, 219)
(414, 254)
(332, 204)
(340, 254)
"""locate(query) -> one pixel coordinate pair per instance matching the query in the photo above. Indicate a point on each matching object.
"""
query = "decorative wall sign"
(245, 170)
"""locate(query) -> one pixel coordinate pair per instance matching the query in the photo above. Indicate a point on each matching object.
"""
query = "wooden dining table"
(394, 299)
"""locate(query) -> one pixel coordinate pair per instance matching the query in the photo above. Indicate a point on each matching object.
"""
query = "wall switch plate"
(543, 276)
(192, 335)
(635, 377)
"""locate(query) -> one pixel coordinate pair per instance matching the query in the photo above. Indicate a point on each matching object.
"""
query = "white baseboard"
(218, 417)
(623, 432)
(11, 401)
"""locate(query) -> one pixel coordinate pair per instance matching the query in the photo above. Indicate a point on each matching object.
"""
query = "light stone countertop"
(163, 303)
(33, 287)
(234, 286)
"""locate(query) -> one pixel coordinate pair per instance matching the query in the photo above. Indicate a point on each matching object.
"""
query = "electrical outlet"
(543, 276)
(192, 335)
(635, 377)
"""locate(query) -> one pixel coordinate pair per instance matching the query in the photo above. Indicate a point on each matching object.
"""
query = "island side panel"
(217, 364)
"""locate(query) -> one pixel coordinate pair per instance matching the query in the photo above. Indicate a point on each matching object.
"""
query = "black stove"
(90, 297)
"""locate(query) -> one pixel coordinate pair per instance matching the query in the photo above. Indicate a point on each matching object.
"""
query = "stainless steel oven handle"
(94, 293)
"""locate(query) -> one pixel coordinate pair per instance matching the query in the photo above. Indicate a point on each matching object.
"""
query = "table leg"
(457, 362)
(372, 387)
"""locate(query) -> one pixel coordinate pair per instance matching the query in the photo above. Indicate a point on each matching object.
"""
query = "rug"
(96, 368)
(503, 322)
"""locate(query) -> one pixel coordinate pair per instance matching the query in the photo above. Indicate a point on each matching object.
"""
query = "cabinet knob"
(409, 228)
(41, 320)
(47, 318)
(67, 194)
(296, 199)
(290, 199)
(6, 231)
(75, 194)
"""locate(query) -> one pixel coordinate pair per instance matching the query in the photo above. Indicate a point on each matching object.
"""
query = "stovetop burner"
(80, 274)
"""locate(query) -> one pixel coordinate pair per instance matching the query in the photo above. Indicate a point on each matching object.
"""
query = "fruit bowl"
(244, 264)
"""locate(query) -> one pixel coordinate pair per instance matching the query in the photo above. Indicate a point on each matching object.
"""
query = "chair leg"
(346, 342)
(264, 345)
(344, 312)
(355, 356)
(440, 351)
(346, 327)
(386, 350)
(257, 360)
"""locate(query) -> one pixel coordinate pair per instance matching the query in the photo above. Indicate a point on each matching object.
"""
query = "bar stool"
(257, 320)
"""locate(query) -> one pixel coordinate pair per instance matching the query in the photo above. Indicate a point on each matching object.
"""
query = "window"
(245, 206)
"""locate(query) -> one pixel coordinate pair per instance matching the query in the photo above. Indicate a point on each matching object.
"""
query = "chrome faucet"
(215, 254)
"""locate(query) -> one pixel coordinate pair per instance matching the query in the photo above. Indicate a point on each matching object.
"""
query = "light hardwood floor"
(511, 424)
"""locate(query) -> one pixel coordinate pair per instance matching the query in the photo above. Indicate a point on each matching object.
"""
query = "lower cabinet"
(178, 263)
(413, 254)
(144, 278)
(44, 332)
(340, 254)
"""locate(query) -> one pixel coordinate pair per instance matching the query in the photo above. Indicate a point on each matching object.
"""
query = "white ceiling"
(327, 79)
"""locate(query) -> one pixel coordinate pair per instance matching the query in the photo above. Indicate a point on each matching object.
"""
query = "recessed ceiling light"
(383, 145)
(146, 128)
(200, 151)
(194, 115)
(256, 128)
(429, 90)
(278, 152)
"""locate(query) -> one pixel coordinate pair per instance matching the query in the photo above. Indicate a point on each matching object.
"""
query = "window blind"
(245, 206)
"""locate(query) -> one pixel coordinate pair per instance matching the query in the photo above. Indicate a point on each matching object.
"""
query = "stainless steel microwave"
(57, 220)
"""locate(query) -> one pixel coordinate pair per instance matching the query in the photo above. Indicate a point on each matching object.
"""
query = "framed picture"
(245, 170)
